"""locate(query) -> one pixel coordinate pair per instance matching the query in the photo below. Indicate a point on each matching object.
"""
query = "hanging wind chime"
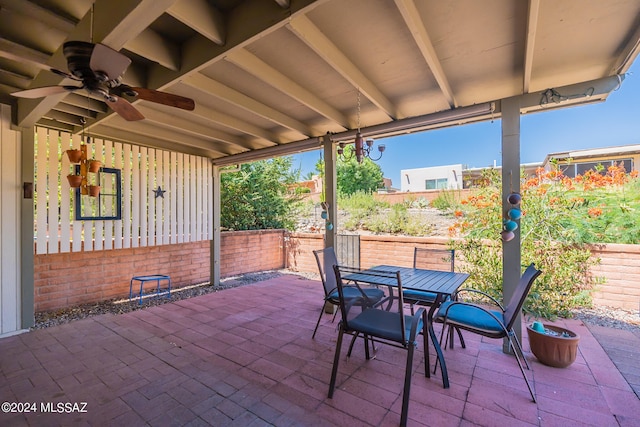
(513, 214)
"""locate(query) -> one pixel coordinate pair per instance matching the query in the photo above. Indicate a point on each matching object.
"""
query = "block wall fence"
(619, 264)
(68, 279)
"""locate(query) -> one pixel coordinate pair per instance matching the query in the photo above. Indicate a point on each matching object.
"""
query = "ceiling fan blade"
(109, 61)
(158, 97)
(124, 108)
(41, 92)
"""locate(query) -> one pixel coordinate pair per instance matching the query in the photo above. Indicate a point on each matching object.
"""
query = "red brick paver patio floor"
(245, 357)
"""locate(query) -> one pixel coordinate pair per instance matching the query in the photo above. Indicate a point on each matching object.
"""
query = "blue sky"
(611, 123)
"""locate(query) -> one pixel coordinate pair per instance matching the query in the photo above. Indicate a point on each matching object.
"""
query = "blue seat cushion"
(351, 292)
(428, 297)
(383, 324)
(471, 316)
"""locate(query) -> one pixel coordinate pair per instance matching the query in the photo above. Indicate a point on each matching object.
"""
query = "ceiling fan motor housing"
(78, 56)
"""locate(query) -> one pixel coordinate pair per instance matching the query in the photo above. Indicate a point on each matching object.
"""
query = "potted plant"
(94, 165)
(74, 155)
(553, 345)
(75, 181)
(94, 190)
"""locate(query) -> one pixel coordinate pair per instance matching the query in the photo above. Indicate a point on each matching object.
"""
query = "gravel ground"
(600, 316)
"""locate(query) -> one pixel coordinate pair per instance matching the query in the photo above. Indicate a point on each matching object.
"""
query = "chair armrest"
(419, 315)
(476, 291)
(476, 306)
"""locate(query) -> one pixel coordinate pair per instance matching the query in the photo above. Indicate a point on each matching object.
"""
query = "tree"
(256, 197)
(353, 177)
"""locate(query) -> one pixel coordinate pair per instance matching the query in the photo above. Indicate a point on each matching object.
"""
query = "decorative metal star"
(159, 192)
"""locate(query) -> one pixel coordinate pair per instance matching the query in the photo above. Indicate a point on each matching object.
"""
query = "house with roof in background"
(572, 163)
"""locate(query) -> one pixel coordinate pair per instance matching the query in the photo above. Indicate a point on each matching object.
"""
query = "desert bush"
(397, 220)
(561, 216)
(445, 201)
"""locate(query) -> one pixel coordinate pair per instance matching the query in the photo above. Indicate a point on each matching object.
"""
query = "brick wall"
(67, 279)
(620, 264)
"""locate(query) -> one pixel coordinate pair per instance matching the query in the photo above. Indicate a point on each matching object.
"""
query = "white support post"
(330, 190)
(214, 275)
(511, 257)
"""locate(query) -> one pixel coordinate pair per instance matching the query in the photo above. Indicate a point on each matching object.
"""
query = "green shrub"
(445, 201)
(553, 230)
(398, 221)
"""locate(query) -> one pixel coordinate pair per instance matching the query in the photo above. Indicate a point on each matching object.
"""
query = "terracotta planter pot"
(559, 350)
(75, 181)
(94, 166)
(74, 155)
(94, 190)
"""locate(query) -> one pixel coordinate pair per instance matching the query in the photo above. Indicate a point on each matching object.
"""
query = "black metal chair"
(498, 323)
(390, 327)
(430, 259)
(326, 259)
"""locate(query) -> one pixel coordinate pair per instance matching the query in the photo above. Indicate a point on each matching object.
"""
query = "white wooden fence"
(183, 214)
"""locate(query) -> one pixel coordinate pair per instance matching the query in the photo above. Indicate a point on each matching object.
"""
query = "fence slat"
(117, 225)
(136, 209)
(141, 196)
(199, 195)
(166, 207)
(98, 226)
(173, 202)
(41, 191)
(158, 200)
(192, 196)
(180, 195)
(52, 190)
(108, 188)
(78, 226)
(65, 199)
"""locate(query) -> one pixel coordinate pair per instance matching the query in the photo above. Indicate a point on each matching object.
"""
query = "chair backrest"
(326, 259)
(434, 259)
(374, 277)
(517, 299)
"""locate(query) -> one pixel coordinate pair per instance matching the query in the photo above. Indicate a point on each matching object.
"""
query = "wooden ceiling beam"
(232, 96)
(140, 136)
(532, 28)
(200, 16)
(152, 46)
(225, 143)
(40, 14)
(266, 73)
(414, 22)
(311, 35)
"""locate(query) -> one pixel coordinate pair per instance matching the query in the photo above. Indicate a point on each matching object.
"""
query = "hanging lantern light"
(361, 148)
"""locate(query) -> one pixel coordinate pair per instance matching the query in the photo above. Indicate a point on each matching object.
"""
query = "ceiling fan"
(99, 69)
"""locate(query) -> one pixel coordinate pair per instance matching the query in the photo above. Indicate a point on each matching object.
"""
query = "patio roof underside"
(281, 73)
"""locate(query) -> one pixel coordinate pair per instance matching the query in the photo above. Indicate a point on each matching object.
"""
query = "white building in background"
(432, 178)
